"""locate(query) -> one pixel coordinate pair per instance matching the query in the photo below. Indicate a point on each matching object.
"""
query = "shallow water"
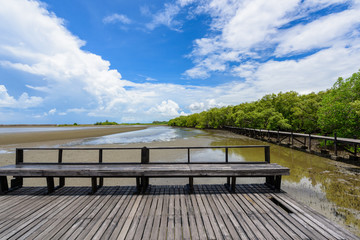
(152, 134)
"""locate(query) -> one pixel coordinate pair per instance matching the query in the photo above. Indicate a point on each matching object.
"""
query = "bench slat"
(148, 170)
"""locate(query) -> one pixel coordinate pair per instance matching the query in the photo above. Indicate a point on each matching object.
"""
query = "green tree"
(339, 111)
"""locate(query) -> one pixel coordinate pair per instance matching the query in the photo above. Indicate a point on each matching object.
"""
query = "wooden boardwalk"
(164, 212)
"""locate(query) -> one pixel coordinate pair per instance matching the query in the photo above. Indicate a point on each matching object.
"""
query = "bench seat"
(272, 171)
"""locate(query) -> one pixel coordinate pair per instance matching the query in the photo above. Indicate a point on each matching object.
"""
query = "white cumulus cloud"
(24, 101)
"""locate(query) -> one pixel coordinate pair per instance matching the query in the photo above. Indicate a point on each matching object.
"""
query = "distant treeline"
(334, 110)
(115, 123)
(106, 123)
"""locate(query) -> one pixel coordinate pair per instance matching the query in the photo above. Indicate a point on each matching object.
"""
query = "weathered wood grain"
(163, 212)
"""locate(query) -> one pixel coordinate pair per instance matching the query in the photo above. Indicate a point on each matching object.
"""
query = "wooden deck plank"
(285, 217)
(134, 208)
(273, 216)
(97, 221)
(90, 214)
(184, 216)
(33, 213)
(157, 218)
(335, 227)
(164, 215)
(150, 220)
(122, 217)
(164, 212)
(210, 214)
(171, 217)
(237, 225)
(144, 217)
(267, 216)
(78, 217)
(296, 232)
(193, 229)
(311, 219)
(177, 214)
(104, 222)
(218, 217)
(252, 215)
(226, 217)
(249, 227)
(122, 199)
(208, 228)
(198, 218)
(39, 226)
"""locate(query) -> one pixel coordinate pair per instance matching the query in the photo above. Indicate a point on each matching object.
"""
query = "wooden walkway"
(164, 212)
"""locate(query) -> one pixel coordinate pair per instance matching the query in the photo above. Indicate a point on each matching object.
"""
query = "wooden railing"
(145, 153)
(306, 142)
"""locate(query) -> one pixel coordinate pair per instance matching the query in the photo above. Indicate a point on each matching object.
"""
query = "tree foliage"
(341, 107)
(335, 110)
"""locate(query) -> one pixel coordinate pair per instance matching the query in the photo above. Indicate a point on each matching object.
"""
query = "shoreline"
(72, 134)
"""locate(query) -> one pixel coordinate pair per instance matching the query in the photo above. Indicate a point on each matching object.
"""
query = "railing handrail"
(138, 148)
(314, 136)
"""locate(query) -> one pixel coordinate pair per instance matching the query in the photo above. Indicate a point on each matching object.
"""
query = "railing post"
(309, 142)
(60, 153)
(19, 156)
(335, 144)
(100, 155)
(145, 156)
(226, 155)
(267, 154)
(188, 155)
(101, 179)
(145, 159)
(355, 149)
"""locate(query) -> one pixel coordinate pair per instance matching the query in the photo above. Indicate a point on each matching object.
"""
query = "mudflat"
(31, 137)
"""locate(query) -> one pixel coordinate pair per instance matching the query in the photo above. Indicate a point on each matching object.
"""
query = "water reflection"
(330, 187)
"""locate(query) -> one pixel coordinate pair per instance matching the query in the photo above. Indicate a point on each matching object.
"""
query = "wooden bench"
(141, 171)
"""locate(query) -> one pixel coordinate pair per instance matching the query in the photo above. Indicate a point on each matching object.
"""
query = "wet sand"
(34, 137)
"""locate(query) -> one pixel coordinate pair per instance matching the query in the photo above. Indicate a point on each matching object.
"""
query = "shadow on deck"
(252, 212)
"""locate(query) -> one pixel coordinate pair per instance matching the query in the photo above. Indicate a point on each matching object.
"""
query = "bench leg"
(191, 185)
(144, 184)
(277, 183)
(17, 182)
(274, 182)
(270, 181)
(138, 184)
(50, 184)
(233, 184)
(93, 185)
(61, 182)
(4, 187)
(101, 182)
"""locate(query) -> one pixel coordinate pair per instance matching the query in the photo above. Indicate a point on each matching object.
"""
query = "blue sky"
(139, 61)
